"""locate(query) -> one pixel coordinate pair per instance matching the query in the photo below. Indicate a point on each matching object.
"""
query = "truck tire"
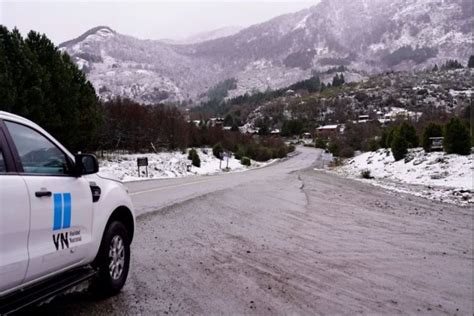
(113, 260)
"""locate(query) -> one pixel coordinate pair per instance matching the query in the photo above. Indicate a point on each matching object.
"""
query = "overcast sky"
(67, 19)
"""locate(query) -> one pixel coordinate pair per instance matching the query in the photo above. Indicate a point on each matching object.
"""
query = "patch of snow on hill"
(302, 24)
(433, 175)
(169, 165)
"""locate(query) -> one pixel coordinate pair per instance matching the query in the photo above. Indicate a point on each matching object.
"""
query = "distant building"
(248, 129)
(363, 119)
(328, 131)
(216, 121)
(195, 122)
(399, 114)
(276, 131)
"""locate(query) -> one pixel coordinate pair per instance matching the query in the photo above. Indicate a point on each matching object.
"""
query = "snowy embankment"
(170, 165)
(433, 175)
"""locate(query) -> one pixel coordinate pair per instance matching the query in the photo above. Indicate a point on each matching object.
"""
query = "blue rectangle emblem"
(62, 210)
(67, 210)
(58, 211)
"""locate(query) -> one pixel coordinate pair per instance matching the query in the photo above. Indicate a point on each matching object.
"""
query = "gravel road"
(287, 239)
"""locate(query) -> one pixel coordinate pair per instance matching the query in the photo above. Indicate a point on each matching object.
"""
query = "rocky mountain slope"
(364, 35)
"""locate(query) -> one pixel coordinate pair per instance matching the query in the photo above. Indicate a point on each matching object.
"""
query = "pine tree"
(470, 63)
(41, 83)
(320, 143)
(218, 150)
(457, 139)
(228, 120)
(386, 137)
(399, 145)
(451, 64)
(338, 80)
(408, 132)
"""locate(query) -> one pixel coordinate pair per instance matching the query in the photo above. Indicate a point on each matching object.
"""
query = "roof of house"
(327, 127)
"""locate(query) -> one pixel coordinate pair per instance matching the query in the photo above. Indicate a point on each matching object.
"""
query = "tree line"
(136, 127)
(218, 105)
(41, 83)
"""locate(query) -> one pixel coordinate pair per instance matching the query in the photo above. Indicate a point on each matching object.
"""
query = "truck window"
(38, 155)
(2, 162)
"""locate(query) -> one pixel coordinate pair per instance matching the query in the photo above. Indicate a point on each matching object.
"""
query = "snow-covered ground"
(434, 175)
(170, 165)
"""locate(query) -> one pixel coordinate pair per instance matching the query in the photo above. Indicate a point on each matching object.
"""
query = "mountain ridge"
(364, 35)
(205, 36)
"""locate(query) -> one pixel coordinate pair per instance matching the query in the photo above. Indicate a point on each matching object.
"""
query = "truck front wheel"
(113, 260)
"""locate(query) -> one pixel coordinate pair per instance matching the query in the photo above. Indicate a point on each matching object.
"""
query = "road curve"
(150, 195)
(287, 239)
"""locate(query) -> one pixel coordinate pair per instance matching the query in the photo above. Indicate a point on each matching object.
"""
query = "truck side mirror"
(86, 164)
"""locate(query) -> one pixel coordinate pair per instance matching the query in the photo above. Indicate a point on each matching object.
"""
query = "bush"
(320, 143)
(196, 161)
(431, 130)
(365, 174)
(457, 139)
(245, 161)
(279, 152)
(399, 146)
(334, 147)
(408, 132)
(291, 148)
(191, 153)
(264, 154)
(373, 144)
(218, 150)
(336, 162)
(239, 153)
(346, 152)
(194, 157)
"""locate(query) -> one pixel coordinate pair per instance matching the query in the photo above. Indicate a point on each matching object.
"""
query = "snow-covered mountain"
(364, 35)
(206, 36)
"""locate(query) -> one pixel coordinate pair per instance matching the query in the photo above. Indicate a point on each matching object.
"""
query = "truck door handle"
(43, 193)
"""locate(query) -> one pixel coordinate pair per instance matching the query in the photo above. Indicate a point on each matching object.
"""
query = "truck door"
(14, 221)
(61, 204)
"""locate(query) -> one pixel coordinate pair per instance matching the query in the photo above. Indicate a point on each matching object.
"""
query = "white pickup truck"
(60, 222)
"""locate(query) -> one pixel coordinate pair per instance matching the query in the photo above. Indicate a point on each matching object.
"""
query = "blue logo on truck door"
(62, 210)
(62, 220)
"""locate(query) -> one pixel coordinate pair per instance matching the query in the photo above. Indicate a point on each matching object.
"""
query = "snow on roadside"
(169, 165)
(433, 175)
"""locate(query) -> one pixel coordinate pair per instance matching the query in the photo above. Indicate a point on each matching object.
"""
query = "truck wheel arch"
(123, 215)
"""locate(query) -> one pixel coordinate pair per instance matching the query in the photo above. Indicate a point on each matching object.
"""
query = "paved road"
(149, 196)
(286, 239)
